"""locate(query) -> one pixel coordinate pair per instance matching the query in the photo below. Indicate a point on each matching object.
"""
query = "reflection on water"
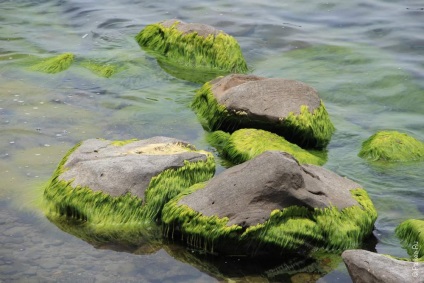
(364, 57)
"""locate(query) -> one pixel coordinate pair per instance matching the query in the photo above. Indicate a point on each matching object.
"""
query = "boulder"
(411, 233)
(274, 202)
(289, 108)
(192, 47)
(392, 146)
(245, 144)
(369, 267)
(110, 184)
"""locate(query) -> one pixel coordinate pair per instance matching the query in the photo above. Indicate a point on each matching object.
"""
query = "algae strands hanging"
(193, 46)
(117, 187)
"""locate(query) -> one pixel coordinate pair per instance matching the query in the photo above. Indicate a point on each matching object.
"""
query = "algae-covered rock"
(54, 65)
(102, 70)
(111, 185)
(411, 233)
(392, 146)
(272, 204)
(193, 46)
(287, 107)
(245, 144)
(369, 267)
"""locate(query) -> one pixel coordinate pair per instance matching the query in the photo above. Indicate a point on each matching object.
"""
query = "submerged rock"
(272, 204)
(369, 267)
(287, 107)
(245, 144)
(192, 46)
(54, 65)
(392, 146)
(109, 185)
(411, 233)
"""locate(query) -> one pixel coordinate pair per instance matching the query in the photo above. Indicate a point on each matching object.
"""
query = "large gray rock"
(268, 99)
(249, 192)
(368, 267)
(117, 170)
(185, 28)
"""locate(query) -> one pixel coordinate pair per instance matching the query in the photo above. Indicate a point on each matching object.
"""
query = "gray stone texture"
(265, 99)
(185, 28)
(117, 170)
(369, 267)
(249, 192)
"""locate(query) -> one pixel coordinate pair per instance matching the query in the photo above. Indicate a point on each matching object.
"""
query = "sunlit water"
(366, 59)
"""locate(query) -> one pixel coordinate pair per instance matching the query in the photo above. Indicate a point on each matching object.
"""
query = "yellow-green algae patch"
(411, 233)
(245, 144)
(289, 230)
(54, 65)
(106, 215)
(218, 51)
(102, 70)
(392, 146)
(310, 130)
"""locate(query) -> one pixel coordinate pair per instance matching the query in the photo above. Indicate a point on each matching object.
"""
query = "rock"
(192, 46)
(274, 202)
(368, 267)
(287, 107)
(245, 144)
(411, 233)
(392, 146)
(112, 184)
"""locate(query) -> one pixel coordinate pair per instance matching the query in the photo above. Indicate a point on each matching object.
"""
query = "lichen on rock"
(392, 146)
(289, 108)
(190, 45)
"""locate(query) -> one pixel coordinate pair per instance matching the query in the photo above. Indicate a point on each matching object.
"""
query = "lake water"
(365, 57)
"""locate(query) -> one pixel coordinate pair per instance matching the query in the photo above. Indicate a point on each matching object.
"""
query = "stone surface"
(268, 99)
(368, 267)
(249, 192)
(185, 28)
(117, 170)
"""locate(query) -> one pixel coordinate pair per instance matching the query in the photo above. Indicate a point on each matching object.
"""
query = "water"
(366, 59)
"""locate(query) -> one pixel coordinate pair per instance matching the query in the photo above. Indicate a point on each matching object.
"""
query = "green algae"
(245, 144)
(286, 231)
(411, 233)
(392, 146)
(219, 52)
(107, 215)
(54, 65)
(102, 70)
(308, 130)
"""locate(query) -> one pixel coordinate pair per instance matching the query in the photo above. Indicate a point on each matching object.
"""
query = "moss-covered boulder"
(286, 107)
(411, 233)
(192, 47)
(245, 144)
(109, 185)
(272, 204)
(55, 64)
(392, 146)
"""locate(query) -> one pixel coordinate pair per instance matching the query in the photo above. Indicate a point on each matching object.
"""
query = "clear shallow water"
(366, 58)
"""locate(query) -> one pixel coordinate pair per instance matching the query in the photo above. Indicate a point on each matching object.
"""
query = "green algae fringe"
(306, 130)
(102, 70)
(246, 144)
(411, 233)
(392, 146)
(108, 214)
(219, 51)
(289, 230)
(54, 65)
